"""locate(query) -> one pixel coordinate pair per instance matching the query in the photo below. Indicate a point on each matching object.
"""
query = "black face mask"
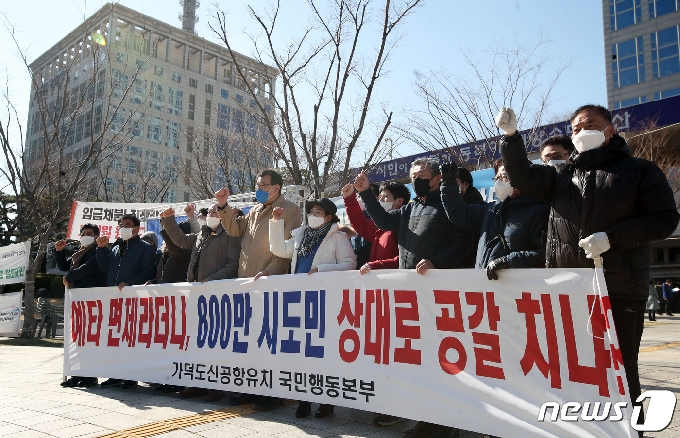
(421, 187)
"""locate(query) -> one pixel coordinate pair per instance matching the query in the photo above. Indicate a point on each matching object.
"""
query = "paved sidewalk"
(32, 404)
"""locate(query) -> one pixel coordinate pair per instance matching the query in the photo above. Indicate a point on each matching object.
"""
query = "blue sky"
(432, 41)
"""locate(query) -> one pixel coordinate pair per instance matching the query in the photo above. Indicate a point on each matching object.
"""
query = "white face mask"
(126, 233)
(86, 240)
(314, 221)
(588, 139)
(201, 222)
(212, 222)
(557, 164)
(387, 205)
(503, 189)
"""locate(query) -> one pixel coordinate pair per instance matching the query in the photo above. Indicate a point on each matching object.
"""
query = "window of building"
(136, 124)
(193, 83)
(175, 101)
(173, 134)
(624, 13)
(158, 71)
(120, 83)
(665, 59)
(191, 137)
(121, 57)
(140, 64)
(239, 98)
(208, 105)
(252, 125)
(227, 77)
(223, 115)
(155, 129)
(674, 256)
(138, 91)
(628, 63)
(186, 196)
(192, 106)
(238, 121)
(224, 93)
(176, 77)
(157, 96)
(629, 102)
(209, 88)
(97, 125)
(658, 8)
(667, 93)
(117, 119)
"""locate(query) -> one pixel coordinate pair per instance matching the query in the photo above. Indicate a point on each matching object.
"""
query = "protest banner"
(448, 347)
(14, 262)
(10, 314)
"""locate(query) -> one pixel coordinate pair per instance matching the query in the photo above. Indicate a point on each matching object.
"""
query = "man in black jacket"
(131, 261)
(427, 240)
(471, 196)
(605, 203)
(83, 272)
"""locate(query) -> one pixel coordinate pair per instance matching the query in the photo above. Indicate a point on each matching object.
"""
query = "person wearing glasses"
(256, 260)
(556, 150)
(512, 231)
(130, 261)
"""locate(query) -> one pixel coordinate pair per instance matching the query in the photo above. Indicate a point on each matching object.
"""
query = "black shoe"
(127, 384)
(110, 383)
(324, 411)
(422, 430)
(72, 382)
(446, 432)
(265, 404)
(86, 382)
(387, 420)
(171, 388)
(243, 399)
(304, 408)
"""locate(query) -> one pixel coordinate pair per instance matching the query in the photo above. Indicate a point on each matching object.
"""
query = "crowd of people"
(590, 200)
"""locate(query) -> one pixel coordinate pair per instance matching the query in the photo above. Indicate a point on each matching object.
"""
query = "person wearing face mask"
(556, 150)
(606, 204)
(384, 250)
(512, 231)
(200, 219)
(214, 256)
(471, 196)
(130, 261)
(83, 272)
(315, 247)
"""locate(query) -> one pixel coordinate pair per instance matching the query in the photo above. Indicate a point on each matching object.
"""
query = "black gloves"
(449, 171)
(495, 265)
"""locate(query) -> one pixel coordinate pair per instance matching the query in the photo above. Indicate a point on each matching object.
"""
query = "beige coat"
(254, 230)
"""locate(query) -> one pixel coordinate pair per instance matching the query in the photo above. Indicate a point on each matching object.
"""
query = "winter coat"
(129, 261)
(253, 228)
(174, 262)
(653, 300)
(515, 228)
(601, 190)
(472, 197)
(667, 291)
(335, 253)
(384, 248)
(424, 231)
(85, 275)
(216, 252)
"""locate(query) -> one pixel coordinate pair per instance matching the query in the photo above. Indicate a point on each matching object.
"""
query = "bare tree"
(43, 166)
(325, 61)
(653, 142)
(460, 109)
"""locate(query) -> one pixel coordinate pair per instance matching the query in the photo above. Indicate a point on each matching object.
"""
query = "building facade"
(641, 50)
(166, 94)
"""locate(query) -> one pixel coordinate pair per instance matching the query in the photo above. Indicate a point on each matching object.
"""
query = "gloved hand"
(449, 171)
(506, 121)
(595, 244)
(495, 265)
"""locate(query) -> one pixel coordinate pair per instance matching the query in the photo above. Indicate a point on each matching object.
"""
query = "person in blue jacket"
(667, 290)
(512, 231)
(130, 261)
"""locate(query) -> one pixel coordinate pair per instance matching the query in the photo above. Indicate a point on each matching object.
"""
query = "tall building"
(641, 50)
(166, 93)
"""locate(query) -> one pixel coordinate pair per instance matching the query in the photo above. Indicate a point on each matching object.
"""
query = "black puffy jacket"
(471, 197)
(601, 190)
(85, 275)
(515, 228)
(424, 231)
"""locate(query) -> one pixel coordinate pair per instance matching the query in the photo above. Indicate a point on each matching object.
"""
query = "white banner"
(449, 347)
(10, 314)
(14, 262)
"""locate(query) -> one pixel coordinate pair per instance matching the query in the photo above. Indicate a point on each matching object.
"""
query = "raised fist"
(506, 121)
(189, 210)
(347, 190)
(102, 241)
(361, 183)
(222, 195)
(278, 213)
(60, 245)
(168, 213)
(449, 171)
